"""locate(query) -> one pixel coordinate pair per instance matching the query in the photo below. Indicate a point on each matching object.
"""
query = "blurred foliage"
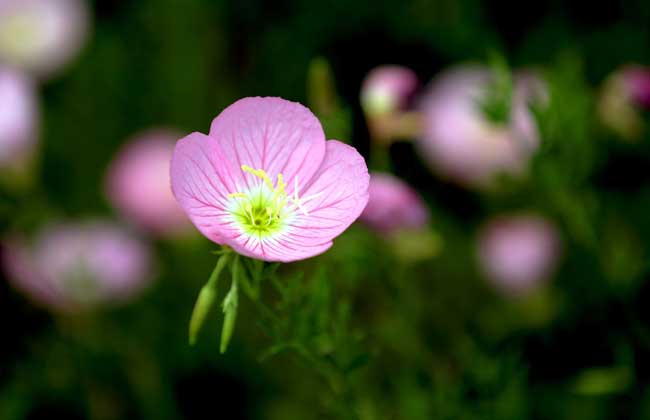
(358, 332)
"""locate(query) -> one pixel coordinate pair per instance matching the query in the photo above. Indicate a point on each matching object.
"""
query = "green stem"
(230, 304)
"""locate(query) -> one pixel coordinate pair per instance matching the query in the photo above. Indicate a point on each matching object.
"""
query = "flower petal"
(335, 198)
(202, 178)
(281, 249)
(272, 134)
(339, 190)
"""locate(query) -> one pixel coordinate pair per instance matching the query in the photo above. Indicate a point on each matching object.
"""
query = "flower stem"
(230, 304)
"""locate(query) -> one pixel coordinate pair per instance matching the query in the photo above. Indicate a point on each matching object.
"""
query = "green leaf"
(497, 102)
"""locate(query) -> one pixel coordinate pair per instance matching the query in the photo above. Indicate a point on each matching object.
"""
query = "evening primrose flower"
(75, 266)
(266, 183)
(41, 36)
(461, 143)
(393, 205)
(138, 185)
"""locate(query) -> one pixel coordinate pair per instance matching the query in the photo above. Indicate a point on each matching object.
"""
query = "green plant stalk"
(229, 305)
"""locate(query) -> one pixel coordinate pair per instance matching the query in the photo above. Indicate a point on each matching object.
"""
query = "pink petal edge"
(272, 134)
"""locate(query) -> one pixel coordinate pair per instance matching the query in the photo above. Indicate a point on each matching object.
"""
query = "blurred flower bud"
(138, 184)
(637, 83)
(18, 119)
(518, 253)
(75, 266)
(41, 36)
(623, 95)
(393, 205)
(386, 94)
(461, 142)
(387, 89)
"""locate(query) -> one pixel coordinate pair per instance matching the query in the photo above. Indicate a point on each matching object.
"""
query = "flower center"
(266, 209)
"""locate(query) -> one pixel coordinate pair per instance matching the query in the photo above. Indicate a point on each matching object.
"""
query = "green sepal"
(207, 297)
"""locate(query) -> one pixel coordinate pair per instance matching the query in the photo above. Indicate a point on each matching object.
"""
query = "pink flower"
(75, 266)
(138, 183)
(41, 36)
(637, 84)
(266, 183)
(460, 143)
(623, 96)
(518, 252)
(18, 118)
(387, 89)
(393, 205)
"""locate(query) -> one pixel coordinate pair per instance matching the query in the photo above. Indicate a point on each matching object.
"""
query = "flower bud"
(637, 84)
(393, 205)
(387, 89)
(205, 301)
(622, 98)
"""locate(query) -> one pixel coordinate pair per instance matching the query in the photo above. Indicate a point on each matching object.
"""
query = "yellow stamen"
(260, 173)
(237, 195)
(275, 203)
(277, 193)
(281, 184)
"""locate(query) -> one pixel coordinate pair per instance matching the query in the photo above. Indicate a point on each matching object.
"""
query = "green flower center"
(20, 36)
(255, 216)
(267, 209)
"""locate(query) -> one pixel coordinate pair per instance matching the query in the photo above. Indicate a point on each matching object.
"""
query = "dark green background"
(394, 341)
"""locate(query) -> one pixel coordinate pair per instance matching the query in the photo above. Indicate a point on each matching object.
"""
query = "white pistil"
(299, 202)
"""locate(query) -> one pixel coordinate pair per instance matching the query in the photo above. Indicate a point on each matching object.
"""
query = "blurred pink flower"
(387, 89)
(393, 205)
(623, 95)
(41, 36)
(18, 118)
(138, 183)
(637, 84)
(74, 266)
(458, 140)
(266, 183)
(517, 253)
